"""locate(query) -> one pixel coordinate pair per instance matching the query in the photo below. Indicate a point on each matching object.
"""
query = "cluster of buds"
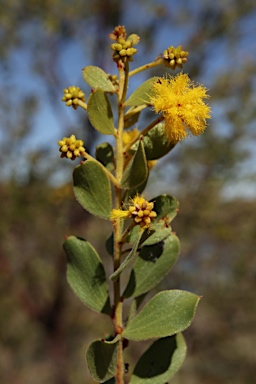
(140, 210)
(71, 148)
(175, 57)
(123, 47)
(72, 96)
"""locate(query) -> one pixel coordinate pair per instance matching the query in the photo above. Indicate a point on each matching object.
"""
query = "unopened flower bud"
(72, 95)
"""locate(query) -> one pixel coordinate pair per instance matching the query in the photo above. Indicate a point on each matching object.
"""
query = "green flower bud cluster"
(71, 148)
(72, 95)
(175, 57)
(123, 49)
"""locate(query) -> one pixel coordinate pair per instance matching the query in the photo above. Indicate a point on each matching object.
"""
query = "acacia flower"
(182, 106)
(140, 210)
(128, 136)
(71, 148)
(72, 95)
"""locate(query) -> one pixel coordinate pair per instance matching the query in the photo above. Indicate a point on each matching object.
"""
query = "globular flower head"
(72, 95)
(71, 148)
(140, 210)
(175, 57)
(181, 103)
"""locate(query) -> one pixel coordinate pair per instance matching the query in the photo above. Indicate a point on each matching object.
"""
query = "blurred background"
(44, 45)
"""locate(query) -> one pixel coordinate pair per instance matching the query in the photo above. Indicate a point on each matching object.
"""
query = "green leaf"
(105, 155)
(130, 118)
(136, 171)
(166, 314)
(92, 188)
(157, 232)
(131, 193)
(100, 113)
(111, 381)
(152, 264)
(97, 79)
(110, 244)
(86, 274)
(156, 143)
(135, 306)
(101, 358)
(160, 361)
(142, 94)
(166, 207)
(131, 256)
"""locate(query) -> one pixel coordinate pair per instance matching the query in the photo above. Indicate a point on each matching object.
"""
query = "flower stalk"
(110, 186)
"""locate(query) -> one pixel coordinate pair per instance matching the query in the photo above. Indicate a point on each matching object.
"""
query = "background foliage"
(44, 45)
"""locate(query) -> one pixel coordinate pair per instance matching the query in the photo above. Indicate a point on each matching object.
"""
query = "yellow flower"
(128, 136)
(151, 164)
(182, 106)
(140, 210)
(71, 148)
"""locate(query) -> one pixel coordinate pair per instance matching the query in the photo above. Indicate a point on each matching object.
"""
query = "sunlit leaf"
(97, 78)
(166, 314)
(142, 94)
(100, 113)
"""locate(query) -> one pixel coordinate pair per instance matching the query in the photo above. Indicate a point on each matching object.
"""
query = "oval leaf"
(92, 188)
(160, 361)
(86, 274)
(136, 171)
(100, 112)
(166, 314)
(105, 155)
(101, 358)
(142, 94)
(151, 265)
(97, 79)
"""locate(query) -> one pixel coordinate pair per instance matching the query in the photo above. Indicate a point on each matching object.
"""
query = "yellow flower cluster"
(141, 211)
(71, 148)
(175, 57)
(182, 106)
(72, 95)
